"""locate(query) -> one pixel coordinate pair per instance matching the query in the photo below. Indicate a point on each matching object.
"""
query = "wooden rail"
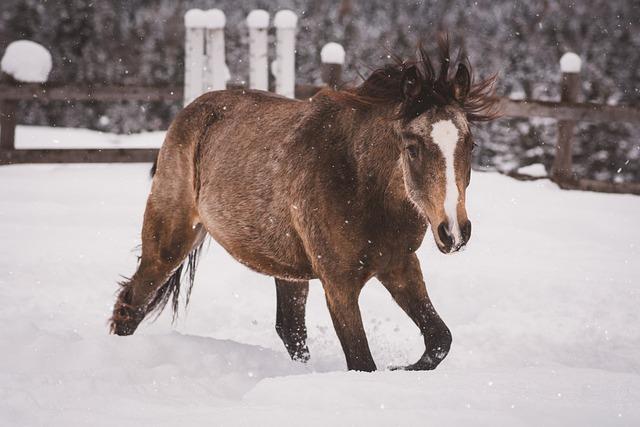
(567, 113)
(510, 108)
(570, 111)
(56, 92)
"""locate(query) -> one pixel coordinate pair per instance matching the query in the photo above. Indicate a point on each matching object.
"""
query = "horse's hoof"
(422, 366)
(301, 355)
(426, 363)
(123, 328)
(125, 320)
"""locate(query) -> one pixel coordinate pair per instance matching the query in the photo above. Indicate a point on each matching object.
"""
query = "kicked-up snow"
(543, 307)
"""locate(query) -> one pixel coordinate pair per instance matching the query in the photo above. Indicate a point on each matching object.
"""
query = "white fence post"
(258, 23)
(194, 21)
(332, 57)
(285, 22)
(216, 73)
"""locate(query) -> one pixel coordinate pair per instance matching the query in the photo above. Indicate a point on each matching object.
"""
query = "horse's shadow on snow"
(224, 367)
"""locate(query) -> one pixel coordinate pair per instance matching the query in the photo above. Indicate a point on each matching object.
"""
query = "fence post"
(570, 65)
(216, 73)
(194, 22)
(22, 61)
(285, 22)
(8, 109)
(258, 23)
(332, 57)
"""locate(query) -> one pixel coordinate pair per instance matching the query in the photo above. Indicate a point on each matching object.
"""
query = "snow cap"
(570, 63)
(195, 18)
(215, 19)
(332, 53)
(285, 19)
(26, 61)
(258, 18)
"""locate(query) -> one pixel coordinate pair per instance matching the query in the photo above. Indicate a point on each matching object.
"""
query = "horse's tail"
(171, 289)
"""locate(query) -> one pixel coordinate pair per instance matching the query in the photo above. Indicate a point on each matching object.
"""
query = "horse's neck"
(375, 145)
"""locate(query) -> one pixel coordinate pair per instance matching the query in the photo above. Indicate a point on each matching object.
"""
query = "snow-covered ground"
(32, 137)
(543, 306)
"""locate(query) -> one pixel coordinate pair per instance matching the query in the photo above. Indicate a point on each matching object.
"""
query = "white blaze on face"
(445, 135)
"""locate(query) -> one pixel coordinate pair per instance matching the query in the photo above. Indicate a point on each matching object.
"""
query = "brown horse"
(341, 187)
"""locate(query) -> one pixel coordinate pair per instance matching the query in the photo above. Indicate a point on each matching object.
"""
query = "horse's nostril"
(445, 236)
(466, 231)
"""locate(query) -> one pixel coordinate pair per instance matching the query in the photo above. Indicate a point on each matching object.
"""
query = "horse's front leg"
(405, 283)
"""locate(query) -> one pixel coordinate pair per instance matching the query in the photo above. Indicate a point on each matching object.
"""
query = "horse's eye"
(413, 151)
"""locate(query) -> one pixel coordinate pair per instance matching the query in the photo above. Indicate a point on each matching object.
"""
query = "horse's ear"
(411, 83)
(461, 82)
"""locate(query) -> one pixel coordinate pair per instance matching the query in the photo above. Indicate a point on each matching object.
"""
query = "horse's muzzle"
(448, 242)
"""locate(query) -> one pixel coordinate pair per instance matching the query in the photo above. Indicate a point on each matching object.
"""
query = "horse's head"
(436, 164)
(436, 141)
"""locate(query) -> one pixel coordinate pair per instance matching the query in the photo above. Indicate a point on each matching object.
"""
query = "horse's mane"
(386, 85)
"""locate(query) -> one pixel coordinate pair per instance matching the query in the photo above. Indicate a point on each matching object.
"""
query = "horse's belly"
(266, 250)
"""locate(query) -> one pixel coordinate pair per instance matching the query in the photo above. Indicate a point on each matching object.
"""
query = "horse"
(341, 187)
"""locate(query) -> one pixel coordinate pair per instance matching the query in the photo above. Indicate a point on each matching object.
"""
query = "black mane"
(388, 85)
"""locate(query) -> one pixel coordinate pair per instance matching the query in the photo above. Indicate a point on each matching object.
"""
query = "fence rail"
(10, 94)
(68, 92)
(575, 111)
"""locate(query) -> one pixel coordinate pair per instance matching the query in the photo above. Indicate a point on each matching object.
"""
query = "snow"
(215, 19)
(26, 61)
(258, 18)
(570, 63)
(543, 307)
(537, 170)
(195, 18)
(285, 19)
(332, 53)
(35, 137)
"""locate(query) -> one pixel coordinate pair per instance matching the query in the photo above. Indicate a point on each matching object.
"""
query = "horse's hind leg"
(290, 317)
(169, 235)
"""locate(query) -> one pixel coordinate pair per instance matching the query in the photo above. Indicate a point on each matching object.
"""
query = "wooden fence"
(11, 94)
(205, 69)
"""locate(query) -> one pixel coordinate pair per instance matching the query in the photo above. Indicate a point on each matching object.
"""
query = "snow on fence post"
(23, 61)
(258, 23)
(332, 57)
(285, 22)
(194, 22)
(216, 73)
(570, 65)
